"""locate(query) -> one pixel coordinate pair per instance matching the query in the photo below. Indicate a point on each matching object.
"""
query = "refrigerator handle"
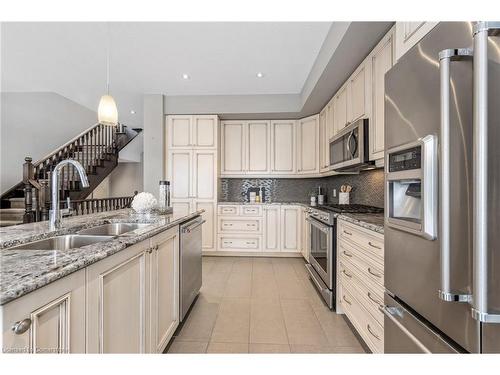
(446, 292)
(480, 306)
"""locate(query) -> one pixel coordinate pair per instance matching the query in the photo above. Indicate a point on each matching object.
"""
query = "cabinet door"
(323, 140)
(382, 59)
(272, 228)
(180, 173)
(340, 109)
(330, 123)
(117, 302)
(283, 147)
(182, 207)
(179, 131)
(290, 229)
(233, 147)
(257, 146)
(357, 89)
(305, 246)
(164, 283)
(208, 240)
(308, 145)
(204, 172)
(409, 33)
(54, 316)
(205, 131)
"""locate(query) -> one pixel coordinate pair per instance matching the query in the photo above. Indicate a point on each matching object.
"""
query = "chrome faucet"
(55, 217)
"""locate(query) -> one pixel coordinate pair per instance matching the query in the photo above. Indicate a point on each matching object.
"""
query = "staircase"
(97, 149)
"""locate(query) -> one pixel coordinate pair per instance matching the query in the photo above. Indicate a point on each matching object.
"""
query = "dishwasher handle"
(195, 225)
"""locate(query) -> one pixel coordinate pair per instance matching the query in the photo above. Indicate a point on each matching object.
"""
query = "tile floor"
(261, 305)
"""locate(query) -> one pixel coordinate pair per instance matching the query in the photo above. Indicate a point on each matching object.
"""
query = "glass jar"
(164, 196)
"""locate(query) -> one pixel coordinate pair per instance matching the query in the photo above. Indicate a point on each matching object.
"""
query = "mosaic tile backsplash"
(368, 188)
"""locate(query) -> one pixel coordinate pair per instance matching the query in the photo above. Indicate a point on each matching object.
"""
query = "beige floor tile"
(310, 349)
(233, 321)
(222, 265)
(301, 323)
(290, 287)
(200, 322)
(284, 269)
(263, 270)
(300, 269)
(337, 331)
(242, 266)
(267, 325)
(265, 288)
(227, 347)
(238, 285)
(214, 284)
(191, 347)
(269, 348)
(348, 350)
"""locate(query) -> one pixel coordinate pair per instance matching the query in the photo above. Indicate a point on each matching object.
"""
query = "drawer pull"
(371, 332)
(348, 233)
(347, 254)
(346, 300)
(228, 242)
(21, 326)
(250, 225)
(250, 243)
(373, 273)
(228, 224)
(345, 273)
(375, 246)
(373, 299)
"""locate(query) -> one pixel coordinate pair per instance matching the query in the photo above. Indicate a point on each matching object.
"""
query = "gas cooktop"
(351, 208)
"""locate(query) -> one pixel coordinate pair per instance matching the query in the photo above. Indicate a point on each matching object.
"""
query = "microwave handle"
(446, 291)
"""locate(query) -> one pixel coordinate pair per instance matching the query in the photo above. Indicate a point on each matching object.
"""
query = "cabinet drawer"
(251, 211)
(372, 243)
(239, 243)
(370, 299)
(239, 225)
(228, 210)
(368, 328)
(370, 272)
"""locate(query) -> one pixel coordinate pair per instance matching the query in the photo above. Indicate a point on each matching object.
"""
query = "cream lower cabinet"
(291, 237)
(272, 231)
(306, 235)
(360, 254)
(48, 320)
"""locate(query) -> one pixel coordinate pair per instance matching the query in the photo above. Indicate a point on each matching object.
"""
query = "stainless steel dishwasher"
(190, 263)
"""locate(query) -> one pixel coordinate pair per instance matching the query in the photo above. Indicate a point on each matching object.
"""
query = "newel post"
(28, 174)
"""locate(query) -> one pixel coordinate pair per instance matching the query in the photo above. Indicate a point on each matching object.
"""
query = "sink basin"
(114, 229)
(69, 241)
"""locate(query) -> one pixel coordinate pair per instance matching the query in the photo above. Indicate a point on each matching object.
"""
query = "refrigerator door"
(406, 333)
(412, 110)
(491, 331)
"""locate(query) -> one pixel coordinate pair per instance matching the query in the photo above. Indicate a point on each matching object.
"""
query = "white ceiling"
(220, 58)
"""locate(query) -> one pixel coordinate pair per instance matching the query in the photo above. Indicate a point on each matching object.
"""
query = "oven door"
(321, 254)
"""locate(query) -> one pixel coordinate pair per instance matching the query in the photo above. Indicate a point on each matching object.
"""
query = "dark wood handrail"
(94, 205)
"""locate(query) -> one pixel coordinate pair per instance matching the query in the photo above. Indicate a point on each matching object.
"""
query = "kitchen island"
(119, 294)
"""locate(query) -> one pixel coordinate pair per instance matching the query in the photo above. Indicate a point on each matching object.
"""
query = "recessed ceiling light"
(185, 76)
(260, 75)
(132, 112)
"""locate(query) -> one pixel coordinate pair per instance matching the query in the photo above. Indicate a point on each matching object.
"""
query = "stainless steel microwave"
(349, 148)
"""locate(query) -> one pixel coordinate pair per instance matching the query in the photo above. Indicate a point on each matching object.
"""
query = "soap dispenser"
(321, 197)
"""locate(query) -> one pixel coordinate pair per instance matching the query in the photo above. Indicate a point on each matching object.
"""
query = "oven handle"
(317, 224)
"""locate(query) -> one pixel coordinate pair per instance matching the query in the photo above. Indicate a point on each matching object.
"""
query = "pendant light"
(107, 113)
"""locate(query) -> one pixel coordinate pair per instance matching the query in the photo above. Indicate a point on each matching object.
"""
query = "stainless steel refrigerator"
(442, 213)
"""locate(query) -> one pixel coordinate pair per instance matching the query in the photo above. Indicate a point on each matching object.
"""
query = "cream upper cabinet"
(257, 147)
(358, 102)
(204, 175)
(324, 159)
(409, 33)
(233, 147)
(48, 320)
(118, 297)
(291, 237)
(382, 59)
(272, 240)
(283, 146)
(307, 145)
(186, 131)
(340, 109)
(164, 281)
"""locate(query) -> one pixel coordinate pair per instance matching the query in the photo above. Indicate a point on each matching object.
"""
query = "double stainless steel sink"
(82, 238)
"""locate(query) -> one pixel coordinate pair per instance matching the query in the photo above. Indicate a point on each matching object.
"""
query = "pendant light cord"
(108, 42)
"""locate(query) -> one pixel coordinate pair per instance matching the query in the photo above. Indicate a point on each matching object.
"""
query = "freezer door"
(405, 333)
(412, 111)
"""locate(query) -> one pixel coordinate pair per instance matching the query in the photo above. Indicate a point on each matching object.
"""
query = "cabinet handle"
(347, 254)
(372, 245)
(373, 273)
(370, 330)
(345, 273)
(374, 300)
(250, 225)
(250, 243)
(21, 326)
(348, 233)
(228, 224)
(346, 300)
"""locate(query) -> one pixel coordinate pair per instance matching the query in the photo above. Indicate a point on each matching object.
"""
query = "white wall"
(121, 182)
(34, 124)
(153, 125)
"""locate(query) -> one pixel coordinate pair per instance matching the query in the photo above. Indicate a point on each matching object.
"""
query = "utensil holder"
(343, 198)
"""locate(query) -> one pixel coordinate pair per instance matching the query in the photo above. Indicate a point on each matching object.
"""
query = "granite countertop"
(374, 222)
(22, 271)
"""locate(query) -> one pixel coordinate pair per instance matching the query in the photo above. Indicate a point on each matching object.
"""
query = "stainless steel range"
(323, 245)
